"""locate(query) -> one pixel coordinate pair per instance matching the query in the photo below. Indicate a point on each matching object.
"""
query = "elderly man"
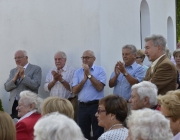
(88, 83)
(162, 71)
(24, 77)
(58, 80)
(126, 74)
(144, 95)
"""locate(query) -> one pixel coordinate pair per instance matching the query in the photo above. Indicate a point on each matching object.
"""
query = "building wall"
(43, 27)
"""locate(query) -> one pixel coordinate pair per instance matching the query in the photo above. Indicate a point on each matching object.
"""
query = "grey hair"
(157, 40)
(131, 47)
(29, 97)
(56, 126)
(147, 89)
(63, 54)
(149, 124)
(168, 52)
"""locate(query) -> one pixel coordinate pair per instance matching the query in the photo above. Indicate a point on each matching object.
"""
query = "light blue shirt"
(89, 92)
(123, 87)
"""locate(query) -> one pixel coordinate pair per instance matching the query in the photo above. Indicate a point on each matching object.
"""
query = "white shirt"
(27, 115)
(58, 89)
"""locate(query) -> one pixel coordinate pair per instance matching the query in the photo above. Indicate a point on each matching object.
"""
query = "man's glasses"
(168, 116)
(86, 57)
(19, 57)
(138, 57)
(99, 111)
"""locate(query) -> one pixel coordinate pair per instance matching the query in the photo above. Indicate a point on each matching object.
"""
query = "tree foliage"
(1, 107)
(178, 19)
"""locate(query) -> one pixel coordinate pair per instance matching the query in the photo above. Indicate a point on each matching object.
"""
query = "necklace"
(114, 125)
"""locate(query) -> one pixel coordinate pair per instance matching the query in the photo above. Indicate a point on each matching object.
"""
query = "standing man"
(88, 83)
(162, 71)
(126, 74)
(58, 80)
(24, 77)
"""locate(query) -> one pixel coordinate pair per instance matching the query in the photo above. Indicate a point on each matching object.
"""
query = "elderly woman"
(148, 124)
(170, 108)
(57, 126)
(112, 112)
(56, 104)
(140, 55)
(29, 112)
(7, 128)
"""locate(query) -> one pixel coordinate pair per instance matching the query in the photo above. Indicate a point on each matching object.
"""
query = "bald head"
(21, 57)
(88, 58)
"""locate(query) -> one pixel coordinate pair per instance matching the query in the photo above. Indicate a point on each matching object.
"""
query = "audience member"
(170, 108)
(56, 104)
(176, 55)
(162, 71)
(7, 128)
(57, 126)
(59, 80)
(29, 112)
(111, 113)
(177, 47)
(24, 77)
(144, 95)
(148, 124)
(88, 83)
(140, 55)
(126, 74)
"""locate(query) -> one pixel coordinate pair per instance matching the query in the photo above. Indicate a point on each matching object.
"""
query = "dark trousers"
(86, 118)
(14, 111)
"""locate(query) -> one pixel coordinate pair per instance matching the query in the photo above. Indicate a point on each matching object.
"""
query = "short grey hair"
(29, 97)
(168, 52)
(149, 124)
(63, 54)
(157, 40)
(147, 89)
(56, 126)
(131, 47)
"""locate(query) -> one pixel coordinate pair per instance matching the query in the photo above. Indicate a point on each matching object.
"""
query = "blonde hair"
(141, 53)
(54, 104)
(171, 101)
(7, 127)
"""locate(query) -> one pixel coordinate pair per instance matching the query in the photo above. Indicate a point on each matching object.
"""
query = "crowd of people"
(145, 104)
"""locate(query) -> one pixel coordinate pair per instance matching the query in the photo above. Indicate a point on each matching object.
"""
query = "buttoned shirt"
(58, 89)
(89, 92)
(123, 87)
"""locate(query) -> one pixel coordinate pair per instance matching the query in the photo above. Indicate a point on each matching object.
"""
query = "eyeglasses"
(19, 57)
(86, 57)
(168, 116)
(138, 57)
(99, 111)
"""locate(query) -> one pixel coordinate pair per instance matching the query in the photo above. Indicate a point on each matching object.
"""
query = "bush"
(178, 20)
(1, 107)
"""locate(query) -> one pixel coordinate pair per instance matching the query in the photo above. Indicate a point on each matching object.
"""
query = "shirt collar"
(26, 66)
(133, 65)
(27, 114)
(64, 68)
(155, 62)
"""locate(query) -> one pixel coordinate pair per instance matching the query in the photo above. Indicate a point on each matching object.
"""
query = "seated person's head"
(7, 127)
(57, 126)
(56, 104)
(143, 95)
(170, 108)
(148, 124)
(28, 101)
(112, 109)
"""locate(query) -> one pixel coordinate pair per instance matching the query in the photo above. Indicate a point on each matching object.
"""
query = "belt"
(72, 98)
(90, 102)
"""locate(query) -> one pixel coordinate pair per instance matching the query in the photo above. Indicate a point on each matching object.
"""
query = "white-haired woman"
(57, 126)
(148, 124)
(29, 112)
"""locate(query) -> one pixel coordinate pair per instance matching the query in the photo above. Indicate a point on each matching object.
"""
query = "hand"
(55, 75)
(121, 67)
(16, 76)
(117, 70)
(21, 71)
(86, 69)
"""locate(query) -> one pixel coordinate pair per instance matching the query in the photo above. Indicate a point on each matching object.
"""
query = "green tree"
(1, 107)
(178, 19)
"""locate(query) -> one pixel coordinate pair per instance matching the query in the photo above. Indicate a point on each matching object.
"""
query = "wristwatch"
(126, 74)
(89, 76)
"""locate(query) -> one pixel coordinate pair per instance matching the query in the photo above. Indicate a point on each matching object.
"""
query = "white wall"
(42, 27)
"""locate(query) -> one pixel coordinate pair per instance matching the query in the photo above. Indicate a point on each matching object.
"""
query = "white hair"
(56, 126)
(63, 54)
(149, 124)
(29, 97)
(147, 89)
